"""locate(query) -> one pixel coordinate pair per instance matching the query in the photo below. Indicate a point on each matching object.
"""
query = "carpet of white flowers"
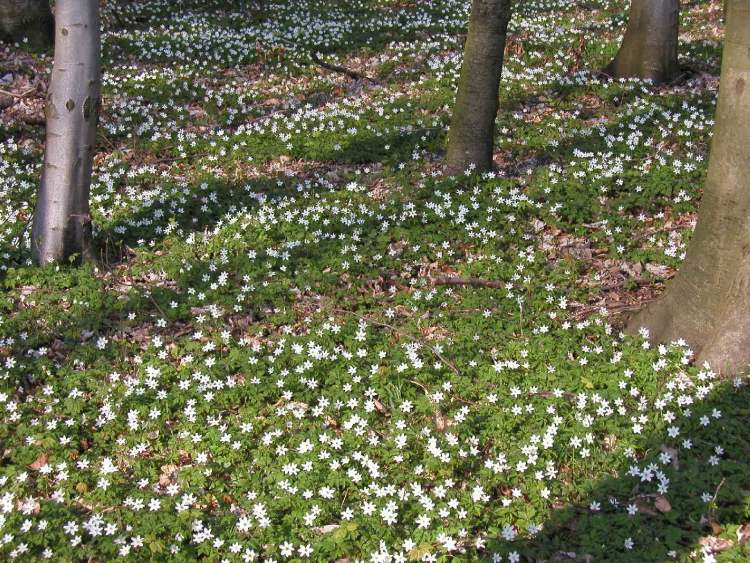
(269, 363)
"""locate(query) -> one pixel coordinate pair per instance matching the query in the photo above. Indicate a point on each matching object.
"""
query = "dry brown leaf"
(659, 270)
(39, 462)
(714, 544)
(672, 454)
(662, 504)
(743, 533)
(441, 423)
(609, 442)
(168, 474)
(634, 270)
(380, 407)
(711, 523)
(645, 506)
(36, 507)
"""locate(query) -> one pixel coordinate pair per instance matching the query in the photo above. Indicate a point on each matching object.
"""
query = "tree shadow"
(597, 130)
(677, 523)
(184, 208)
(386, 149)
(55, 315)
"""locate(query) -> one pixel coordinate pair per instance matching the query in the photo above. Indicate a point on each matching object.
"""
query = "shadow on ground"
(678, 524)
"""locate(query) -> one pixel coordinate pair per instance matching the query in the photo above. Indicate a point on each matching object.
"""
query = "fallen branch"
(445, 360)
(340, 69)
(328, 66)
(20, 96)
(475, 282)
(587, 310)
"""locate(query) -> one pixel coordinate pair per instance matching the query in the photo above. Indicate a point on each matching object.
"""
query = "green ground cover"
(265, 364)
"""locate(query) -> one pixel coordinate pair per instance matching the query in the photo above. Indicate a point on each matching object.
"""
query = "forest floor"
(267, 362)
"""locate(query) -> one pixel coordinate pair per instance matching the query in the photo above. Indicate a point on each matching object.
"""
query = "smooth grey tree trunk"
(26, 19)
(708, 302)
(649, 48)
(472, 133)
(62, 225)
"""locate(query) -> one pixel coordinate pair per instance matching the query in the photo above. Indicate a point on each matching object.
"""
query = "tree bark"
(472, 133)
(29, 19)
(649, 48)
(708, 302)
(62, 225)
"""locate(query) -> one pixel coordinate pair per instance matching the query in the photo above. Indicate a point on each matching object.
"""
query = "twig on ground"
(445, 360)
(476, 282)
(340, 69)
(418, 384)
(151, 297)
(20, 96)
(332, 67)
(587, 310)
(718, 488)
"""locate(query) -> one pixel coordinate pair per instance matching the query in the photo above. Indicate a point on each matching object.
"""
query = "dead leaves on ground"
(39, 462)
(653, 505)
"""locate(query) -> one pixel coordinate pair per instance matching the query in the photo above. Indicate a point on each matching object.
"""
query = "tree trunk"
(62, 226)
(472, 132)
(649, 48)
(708, 302)
(26, 19)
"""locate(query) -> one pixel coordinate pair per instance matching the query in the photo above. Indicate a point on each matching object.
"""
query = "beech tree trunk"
(708, 302)
(649, 48)
(62, 225)
(26, 19)
(472, 132)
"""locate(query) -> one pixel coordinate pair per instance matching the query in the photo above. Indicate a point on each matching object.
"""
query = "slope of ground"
(274, 360)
